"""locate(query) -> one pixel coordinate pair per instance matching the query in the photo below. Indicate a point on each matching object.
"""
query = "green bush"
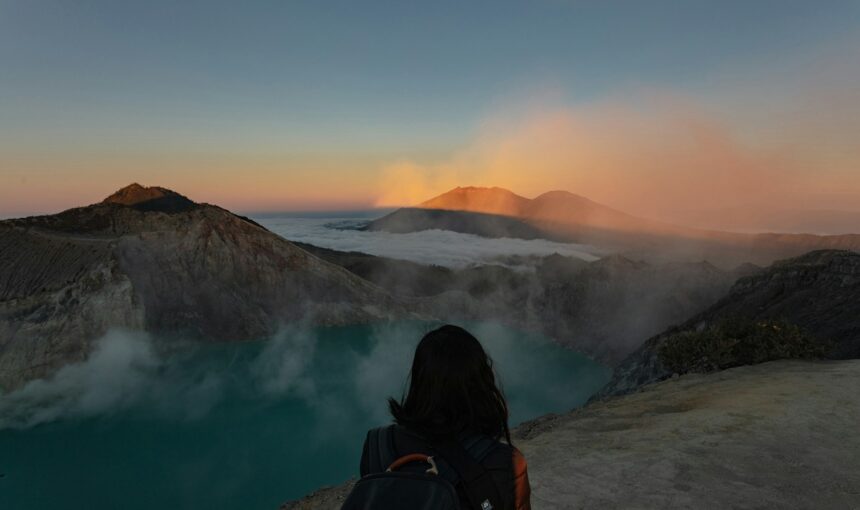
(736, 342)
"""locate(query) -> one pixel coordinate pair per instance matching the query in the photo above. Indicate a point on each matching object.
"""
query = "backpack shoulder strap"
(381, 449)
(479, 446)
(478, 485)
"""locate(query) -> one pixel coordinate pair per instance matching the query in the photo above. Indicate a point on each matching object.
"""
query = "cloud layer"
(438, 247)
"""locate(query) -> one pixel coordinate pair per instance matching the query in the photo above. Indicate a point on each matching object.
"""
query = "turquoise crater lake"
(238, 426)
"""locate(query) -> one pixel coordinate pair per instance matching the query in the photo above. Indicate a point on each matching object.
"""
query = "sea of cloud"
(439, 247)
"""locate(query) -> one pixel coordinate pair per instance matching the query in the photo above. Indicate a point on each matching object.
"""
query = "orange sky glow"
(658, 155)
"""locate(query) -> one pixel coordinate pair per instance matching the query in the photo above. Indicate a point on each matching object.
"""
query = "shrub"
(735, 342)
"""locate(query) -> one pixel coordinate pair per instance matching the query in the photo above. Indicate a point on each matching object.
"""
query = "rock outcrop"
(819, 292)
(776, 435)
(151, 259)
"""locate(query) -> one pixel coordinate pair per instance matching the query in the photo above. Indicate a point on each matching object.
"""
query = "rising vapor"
(662, 161)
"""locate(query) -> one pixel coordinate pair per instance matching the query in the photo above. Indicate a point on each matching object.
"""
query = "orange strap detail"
(406, 459)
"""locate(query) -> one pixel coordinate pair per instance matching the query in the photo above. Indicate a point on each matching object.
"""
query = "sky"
(659, 107)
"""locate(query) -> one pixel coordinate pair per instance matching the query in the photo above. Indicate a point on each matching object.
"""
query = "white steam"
(116, 375)
(383, 372)
(340, 378)
(125, 370)
(282, 366)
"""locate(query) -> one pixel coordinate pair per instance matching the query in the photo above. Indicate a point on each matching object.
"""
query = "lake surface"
(238, 426)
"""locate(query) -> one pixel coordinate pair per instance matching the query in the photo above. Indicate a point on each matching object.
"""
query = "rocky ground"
(776, 435)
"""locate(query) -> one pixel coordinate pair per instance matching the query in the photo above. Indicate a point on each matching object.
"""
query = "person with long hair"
(454, 411)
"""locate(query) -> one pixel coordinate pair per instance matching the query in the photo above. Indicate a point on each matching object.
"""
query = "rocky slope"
(601, 308)
(559, 215)
(819, 291)
(151, 259)
(776, 435)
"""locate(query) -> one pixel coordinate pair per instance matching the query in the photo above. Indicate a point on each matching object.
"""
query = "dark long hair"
(452, 388)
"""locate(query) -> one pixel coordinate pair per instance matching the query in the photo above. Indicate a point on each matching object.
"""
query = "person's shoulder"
(500, 446)
(378, 437)
(374, 433)
(518, 460)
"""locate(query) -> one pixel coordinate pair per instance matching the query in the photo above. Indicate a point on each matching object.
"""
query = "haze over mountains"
(560, 215)
(149, 258)
(152, 259)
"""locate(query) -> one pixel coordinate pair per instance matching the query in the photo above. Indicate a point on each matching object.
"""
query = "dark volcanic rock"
(819, 291)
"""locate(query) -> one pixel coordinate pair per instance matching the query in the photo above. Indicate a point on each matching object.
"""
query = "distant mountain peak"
(150, 198)
(135, 193)
(478, 190)
(478, 199)
(556, 206)
(561, 194)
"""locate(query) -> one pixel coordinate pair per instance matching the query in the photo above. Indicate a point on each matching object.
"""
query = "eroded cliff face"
(160, 265)
(58, 296)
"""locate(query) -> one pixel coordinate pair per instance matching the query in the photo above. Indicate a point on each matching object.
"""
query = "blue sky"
(392, 79)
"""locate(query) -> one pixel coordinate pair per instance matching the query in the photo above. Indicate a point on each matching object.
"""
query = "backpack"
(417, 481)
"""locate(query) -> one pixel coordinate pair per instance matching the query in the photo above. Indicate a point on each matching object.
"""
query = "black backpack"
(417, 481)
